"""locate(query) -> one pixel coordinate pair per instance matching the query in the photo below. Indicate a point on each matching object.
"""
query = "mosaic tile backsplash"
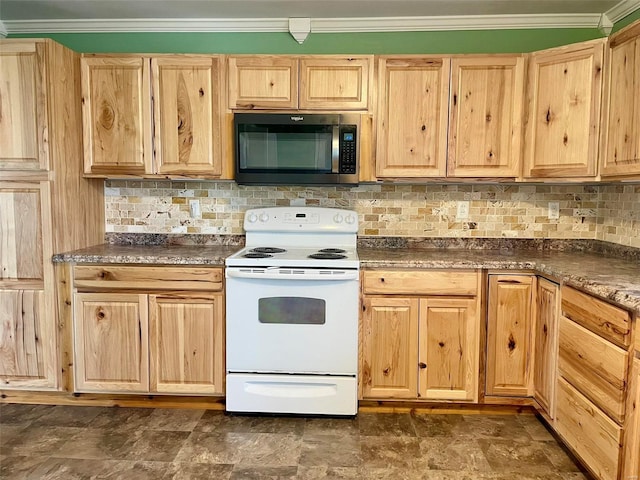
(603, 212)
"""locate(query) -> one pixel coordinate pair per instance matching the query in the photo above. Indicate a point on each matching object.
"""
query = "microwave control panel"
(348, 149)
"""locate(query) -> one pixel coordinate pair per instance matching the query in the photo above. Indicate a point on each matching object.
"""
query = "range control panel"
(306, 219)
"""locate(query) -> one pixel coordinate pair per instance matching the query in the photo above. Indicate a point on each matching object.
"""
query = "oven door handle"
(293, 274)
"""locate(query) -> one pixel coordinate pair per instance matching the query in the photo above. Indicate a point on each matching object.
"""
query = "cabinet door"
(263, 82)
(23, 106)
(509, 335)
(390, 348)
(449, 349)
(187, 119)
(27, 339)
(564, 89)
(334, 83)
(621, 119)
(116, 115)
(485, 125)
(412, 117)
(22, 246)
(187, 344)
(545, 343)
(111, 344)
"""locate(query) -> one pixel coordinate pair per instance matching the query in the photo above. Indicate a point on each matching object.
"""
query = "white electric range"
(292, 313)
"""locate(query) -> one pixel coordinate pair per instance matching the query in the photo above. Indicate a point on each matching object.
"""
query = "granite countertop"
(610, 277)
(150, 254)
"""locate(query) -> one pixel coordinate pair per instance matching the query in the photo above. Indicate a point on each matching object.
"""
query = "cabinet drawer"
(421, 282)
(600, 317)
(588, 431)
(147, 278)
(594, 366)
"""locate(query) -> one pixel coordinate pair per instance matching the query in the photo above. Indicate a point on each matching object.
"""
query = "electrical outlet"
(554, 210)
(463, 210)
(194, 208)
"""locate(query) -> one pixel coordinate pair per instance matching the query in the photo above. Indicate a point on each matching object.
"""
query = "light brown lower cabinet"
(158, 342)
(420, 347)
(632, 448)
(509, 335)
(588, 431)
(593, 381)
(545, 344)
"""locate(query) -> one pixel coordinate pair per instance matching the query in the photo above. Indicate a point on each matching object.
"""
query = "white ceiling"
(24, 16)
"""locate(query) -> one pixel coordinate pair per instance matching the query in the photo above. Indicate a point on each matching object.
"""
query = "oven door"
(283, 320)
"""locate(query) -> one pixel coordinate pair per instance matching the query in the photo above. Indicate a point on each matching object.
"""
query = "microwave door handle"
(335, 150)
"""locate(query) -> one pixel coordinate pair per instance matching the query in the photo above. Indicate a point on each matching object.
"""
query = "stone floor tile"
(173, 419)
(92, 443)
(428, 425)
(153, 445)
(271, 450)
(261, 473)
(39, 441)
(535, 428)
(332, 426)
(388, 424)
(504, 427)
(330, 450)
(213, 447)
(217, 421)
(21, 415)
(194, 471)
(507, 456)
(124, 419)
(20, 467)
(68, 416)
(560, 459)
(8, 433)
(450, 453)
(389, 451)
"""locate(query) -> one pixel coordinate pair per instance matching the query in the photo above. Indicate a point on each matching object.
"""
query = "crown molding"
(622, 9)
(455, 22)
(318, 25)
(122, 25)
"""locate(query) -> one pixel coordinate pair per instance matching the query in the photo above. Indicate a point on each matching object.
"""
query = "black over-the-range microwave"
(296, 148)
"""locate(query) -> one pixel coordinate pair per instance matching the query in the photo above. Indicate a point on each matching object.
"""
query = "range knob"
(337, 218)
(350, 219)
(252, 218)
(264, 217)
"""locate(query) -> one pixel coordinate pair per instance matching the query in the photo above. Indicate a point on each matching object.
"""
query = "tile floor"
(64, 442)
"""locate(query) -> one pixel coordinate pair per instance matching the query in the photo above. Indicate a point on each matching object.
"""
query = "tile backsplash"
(610, 212)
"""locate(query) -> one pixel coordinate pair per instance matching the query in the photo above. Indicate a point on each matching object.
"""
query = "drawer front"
(600, 317)
(147, 278)
(592, 435)
(594, 366)
(421, 282)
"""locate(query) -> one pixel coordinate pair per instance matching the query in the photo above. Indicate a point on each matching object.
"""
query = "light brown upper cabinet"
(116, 115)
(23, 106)
(485, 123)
(564, 91)
(118, 93)
(620, 142)
(412, 117)
(307, 83)
(187, 115)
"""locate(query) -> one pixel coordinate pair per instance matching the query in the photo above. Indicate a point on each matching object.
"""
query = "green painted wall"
(476, 41)
(627, 20)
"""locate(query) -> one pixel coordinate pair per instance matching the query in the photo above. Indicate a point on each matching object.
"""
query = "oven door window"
(292, 310)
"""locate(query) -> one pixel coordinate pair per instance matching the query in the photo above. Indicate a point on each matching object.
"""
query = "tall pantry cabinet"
(45, 205)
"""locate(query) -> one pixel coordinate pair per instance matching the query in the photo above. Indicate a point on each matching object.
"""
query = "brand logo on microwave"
(297, 119)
